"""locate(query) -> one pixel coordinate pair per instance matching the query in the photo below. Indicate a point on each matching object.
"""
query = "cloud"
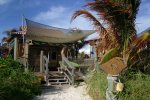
(29, 3)
(80, 23)
(143, 23)
(51, 14)
(60, 16)
(2, 2)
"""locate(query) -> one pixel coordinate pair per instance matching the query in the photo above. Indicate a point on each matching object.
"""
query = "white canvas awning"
(45, 33)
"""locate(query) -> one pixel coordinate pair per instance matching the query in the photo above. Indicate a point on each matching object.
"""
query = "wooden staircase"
(57, 78)
(67, 75)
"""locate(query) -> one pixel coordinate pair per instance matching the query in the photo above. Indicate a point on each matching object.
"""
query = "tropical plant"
(115, 22)
(140, 53)
(15, 84)
(10, 32)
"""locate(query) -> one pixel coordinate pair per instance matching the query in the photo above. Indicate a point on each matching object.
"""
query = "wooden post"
(26, 56)
(111, 91)
(72, 76)
(15, 48)
(95, 56)
(63, 55)
(90, 51)
(46, 66)
(48, 56)
(41, 61)
(47, 70)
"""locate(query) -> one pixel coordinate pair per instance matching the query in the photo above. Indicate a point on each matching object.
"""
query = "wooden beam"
(26, 48)
(95, 56)
(41, 61)
(15, 48)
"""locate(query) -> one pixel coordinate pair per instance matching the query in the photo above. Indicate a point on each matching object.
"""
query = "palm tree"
(10, 32)
(115, 22)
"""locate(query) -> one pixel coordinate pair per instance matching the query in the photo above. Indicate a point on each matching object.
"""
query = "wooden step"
(56, 74)
(57, 78)
(51, 72)
(64, 78)
(58, 81)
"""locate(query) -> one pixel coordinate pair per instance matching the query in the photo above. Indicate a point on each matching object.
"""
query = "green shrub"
(97, 84)
(15, 84)
(136, 88)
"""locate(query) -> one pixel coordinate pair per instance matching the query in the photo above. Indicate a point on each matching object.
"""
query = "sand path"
(64, 92)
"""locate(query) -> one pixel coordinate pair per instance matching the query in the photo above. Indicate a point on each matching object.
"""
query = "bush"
(136, 86)
(97, 84)
(15, 84)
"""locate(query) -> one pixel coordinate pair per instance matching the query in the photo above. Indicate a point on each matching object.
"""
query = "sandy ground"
(64, 92)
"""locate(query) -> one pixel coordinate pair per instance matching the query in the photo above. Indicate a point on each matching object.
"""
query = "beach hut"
(48, 50)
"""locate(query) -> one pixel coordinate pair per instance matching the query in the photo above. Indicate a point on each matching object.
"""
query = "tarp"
(45, 33)
(147, 30)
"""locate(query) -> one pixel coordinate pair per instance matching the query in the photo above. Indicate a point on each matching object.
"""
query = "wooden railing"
(45, 66)
(68, 70)
(44, 61)
(84, 62)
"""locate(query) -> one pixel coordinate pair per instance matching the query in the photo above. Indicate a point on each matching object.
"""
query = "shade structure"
(45, 33)
(114, 66)
(147, 30)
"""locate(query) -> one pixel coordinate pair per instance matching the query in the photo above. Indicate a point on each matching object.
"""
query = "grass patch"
(97, 85)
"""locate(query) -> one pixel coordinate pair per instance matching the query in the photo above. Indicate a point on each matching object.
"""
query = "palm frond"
(119, 15)
(98, 26)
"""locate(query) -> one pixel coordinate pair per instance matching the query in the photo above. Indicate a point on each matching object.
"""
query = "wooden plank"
(72, 76)
(68, 78)
(69, 71)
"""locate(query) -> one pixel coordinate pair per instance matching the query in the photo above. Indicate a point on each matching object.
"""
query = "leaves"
(15, 84)
(98, 26)
(108, 55)
(114, 20)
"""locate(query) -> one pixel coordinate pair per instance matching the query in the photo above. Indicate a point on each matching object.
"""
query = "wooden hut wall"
(20, 50)
(34, 56)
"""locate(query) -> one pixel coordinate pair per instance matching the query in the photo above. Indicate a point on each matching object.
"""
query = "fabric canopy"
(45, 33)
(147, 30)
